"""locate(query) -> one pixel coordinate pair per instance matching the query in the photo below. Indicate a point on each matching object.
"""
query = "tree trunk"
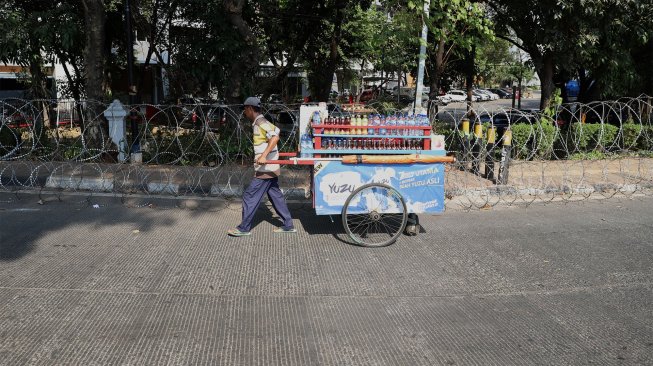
(248, 61)
(470, 81)
(435, 70)
(545, 72)
(321, 77)
(94, 71)
(275, 82)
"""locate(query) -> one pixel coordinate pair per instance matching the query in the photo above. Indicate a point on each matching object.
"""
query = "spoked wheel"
(374, 215)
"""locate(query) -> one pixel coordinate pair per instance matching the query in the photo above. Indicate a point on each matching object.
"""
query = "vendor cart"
(378, 177)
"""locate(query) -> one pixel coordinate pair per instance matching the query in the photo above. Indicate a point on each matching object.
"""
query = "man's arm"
(272, 143)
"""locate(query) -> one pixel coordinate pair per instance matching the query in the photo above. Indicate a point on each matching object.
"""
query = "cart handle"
(397, 159)
(293, 161)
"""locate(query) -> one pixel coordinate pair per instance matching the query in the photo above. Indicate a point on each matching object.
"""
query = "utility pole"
(422, 59)
(136, 145)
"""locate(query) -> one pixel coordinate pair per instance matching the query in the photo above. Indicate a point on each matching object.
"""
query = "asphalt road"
(545, 285)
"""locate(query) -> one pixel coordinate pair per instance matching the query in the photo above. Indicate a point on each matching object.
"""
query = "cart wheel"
(374, 215)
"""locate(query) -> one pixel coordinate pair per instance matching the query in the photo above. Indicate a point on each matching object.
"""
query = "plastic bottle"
(316, 118)
(306, 144)
(376, 121)
(401, 122)
(382, 122)
(391, 121)
(411, 122)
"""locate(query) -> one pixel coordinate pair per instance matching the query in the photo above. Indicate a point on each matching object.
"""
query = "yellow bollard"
(507, 138)
(465, 123)
(478, 130)
(491, 135)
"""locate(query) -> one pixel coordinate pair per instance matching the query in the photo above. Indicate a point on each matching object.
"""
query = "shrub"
(632, 136)
(523, 140)
(534, 141)
(588, 137)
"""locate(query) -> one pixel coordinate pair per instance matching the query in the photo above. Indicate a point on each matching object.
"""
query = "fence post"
(506, 152)
(476, 148)
(116, 114)
(466, 148)
(489, 153)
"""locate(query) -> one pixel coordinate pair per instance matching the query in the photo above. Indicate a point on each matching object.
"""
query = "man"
(266, 176)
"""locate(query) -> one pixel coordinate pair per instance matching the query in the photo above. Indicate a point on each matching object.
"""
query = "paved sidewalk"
(547, 285)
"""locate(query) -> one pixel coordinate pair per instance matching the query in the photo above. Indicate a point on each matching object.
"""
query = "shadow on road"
(26, 221)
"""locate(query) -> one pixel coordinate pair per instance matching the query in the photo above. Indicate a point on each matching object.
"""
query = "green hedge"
(589, 137)
(637, 137)
(534, 141)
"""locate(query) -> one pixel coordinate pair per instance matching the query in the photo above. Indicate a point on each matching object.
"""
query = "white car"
(489, 94)
(456, 95)
(481, 96)
(460, 96)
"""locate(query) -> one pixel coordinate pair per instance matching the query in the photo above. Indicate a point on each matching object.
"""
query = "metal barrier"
(505, 156)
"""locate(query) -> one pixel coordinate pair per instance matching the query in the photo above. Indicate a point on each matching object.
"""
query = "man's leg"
(251, 200)
(279, 203)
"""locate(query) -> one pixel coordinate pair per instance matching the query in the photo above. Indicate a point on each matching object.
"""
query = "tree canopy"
(222, 46)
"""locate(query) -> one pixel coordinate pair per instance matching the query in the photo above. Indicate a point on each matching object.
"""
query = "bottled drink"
(306, 144)
(391, 122)
(411, 123)
(316, 118)
(401, 122)
(376, 121)
(382, 130)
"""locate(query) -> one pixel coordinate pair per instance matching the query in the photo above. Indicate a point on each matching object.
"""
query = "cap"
(253, 101)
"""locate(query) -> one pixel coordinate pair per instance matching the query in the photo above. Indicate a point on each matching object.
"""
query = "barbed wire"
(570, 152)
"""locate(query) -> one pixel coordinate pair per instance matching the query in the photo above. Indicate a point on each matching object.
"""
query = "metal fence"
(505, 156)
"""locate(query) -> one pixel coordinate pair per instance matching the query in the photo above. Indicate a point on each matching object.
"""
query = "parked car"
(481, 96)
(501, 93)
(443, 100)
(456, 95)
(368, 94)
(492, 96)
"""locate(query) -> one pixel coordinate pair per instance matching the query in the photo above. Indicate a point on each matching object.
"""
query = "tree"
(453, 26)
(324, 51)
(153, 18)
(591, 40)
(538, 26)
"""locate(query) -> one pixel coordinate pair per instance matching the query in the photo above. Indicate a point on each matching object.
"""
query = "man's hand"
(261, 160)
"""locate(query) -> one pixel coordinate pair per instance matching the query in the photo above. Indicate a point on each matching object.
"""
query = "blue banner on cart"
(420, 185)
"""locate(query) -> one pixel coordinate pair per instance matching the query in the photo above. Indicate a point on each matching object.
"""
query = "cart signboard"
(422, 186)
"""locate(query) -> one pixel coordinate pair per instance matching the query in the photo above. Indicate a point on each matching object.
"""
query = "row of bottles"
(376, 124)
(371, 144)
(394, 136)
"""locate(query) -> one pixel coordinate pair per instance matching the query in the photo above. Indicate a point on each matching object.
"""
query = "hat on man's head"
(253, 101)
